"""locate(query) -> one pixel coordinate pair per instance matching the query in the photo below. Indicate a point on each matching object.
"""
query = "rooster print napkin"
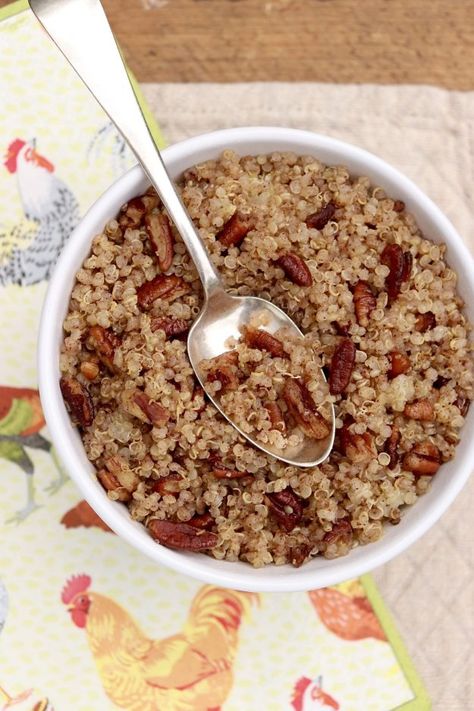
(86, 622)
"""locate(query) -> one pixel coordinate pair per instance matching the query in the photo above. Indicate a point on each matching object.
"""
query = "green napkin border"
(421, 702)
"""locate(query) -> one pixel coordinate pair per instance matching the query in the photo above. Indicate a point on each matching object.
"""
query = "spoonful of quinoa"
(251, 359)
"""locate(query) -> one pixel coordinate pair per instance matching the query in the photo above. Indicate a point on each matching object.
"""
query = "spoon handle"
(81, 31)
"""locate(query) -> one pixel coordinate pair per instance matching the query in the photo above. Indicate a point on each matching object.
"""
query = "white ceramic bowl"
(318, 572)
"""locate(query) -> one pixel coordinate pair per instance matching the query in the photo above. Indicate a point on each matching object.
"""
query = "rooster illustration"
(26, 700)
(21, 419)
(190, 671)
(308, 695)
(348, 614)
(29, 252)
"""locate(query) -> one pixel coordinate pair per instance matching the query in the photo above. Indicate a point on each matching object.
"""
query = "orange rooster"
(190, 671)
(349, 616)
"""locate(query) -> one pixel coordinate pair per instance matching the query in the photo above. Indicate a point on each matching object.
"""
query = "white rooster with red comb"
(28, 254)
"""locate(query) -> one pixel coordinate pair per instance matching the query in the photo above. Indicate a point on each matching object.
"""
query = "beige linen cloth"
(428, 134)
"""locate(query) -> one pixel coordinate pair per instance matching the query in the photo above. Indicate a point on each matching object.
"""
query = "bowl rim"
(269, 578)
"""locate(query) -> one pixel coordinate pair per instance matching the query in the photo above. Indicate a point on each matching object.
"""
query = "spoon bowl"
(222, 318)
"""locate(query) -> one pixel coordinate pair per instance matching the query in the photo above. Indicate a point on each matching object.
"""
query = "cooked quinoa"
(378, 304)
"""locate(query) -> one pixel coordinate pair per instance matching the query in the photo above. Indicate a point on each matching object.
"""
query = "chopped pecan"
(425, 322)
(421, 409)
(287, 508)
(264, 341)
(298, 554)
(364, 302)
(295, 269)
(162, 285)
(204, 521)
(78, 400)
(167, 484)
(225, 369)
(104, 342)
(111, 484)
(181, 535)
(173, 327)
(407, 266)
(342, 364)
(301, 405)
(319, 219)
(342, 329)
(276, 416)
(139, 405)
(392, 257)
(161, 237)
(221, 472)
(440, 382)
(398, 205)
(399, 364)
(132, 213)
(89, 369)
(341, 533)
(462, 403)
(391, 446)
(423, 460)
(357, 447)
(235, 230)
(121, 470)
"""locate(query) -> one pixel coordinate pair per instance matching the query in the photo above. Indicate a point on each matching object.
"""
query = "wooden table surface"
(381, 41)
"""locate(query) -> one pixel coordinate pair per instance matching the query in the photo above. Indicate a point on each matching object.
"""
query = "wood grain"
(380, 41)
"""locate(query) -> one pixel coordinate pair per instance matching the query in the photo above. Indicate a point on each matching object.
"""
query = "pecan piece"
(462, 403)
(224, 368)
(364, 302)
(342, 364)
(295, 269)
(235, 230)
(341, 532)
(104, 342)
(398, 205)
(167, 484)
(399, 364)
(204, 521)
(423, 460)
(425, 322)
(181, 535)
(391, 446)
(357, 447)
(407, 266)
(78, 401)
(139, 405)
(319, 219)
(112, 486)
(132, 213)
(275, 416)
(440, 382)
(287, 508)
(121, 470)
(298, 554)
(159, 233)
(162, 285)
(173, 327)
(301, 405)
(392, 257)
(264, 341)
(342, 329)
(221, 472)
(421, 409)
(89, 369)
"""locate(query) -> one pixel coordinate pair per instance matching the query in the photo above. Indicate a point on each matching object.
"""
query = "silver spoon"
(81, 31)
